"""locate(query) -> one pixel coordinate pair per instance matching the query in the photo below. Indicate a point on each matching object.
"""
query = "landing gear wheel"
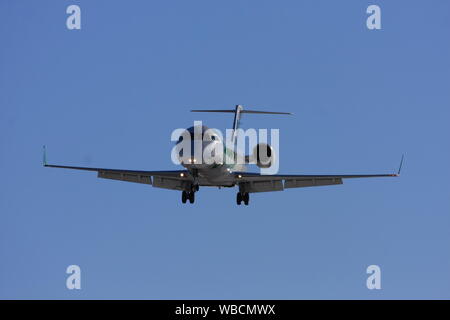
(246, 198)
(191, 197)
(183, 197)
(239, 198)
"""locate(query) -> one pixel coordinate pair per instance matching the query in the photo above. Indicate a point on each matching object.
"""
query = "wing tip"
(44, 156)
(400, 166)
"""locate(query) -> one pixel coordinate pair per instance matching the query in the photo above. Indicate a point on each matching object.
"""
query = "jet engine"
(263, 155)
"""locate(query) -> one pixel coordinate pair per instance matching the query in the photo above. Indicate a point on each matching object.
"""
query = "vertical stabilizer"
(237, 119)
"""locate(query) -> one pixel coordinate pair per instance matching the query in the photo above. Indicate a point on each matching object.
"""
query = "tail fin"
(237, 115)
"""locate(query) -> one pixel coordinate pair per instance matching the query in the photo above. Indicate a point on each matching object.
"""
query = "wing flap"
(170, 183)
(125, 176)
(311, 182)
(261, 186)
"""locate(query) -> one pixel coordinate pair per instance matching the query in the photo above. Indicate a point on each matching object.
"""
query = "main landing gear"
(242, 196)
(188, 196)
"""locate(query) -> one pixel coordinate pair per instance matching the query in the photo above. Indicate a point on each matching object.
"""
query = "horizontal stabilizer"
(243, 111)
(238, 111)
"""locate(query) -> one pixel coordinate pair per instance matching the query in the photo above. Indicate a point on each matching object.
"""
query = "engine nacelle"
(263, 155)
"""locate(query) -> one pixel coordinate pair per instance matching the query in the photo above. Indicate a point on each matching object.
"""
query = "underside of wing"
(255, 182)
(176, 180)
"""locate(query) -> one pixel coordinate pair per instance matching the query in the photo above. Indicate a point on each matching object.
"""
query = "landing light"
(239, 176)
(181, 174)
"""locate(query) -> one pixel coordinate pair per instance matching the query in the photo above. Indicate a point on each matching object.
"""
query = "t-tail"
(238, 111)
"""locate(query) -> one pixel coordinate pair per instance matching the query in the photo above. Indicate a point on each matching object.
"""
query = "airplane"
(195, 175)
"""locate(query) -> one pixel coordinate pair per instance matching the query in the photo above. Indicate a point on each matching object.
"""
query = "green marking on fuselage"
(229, 152)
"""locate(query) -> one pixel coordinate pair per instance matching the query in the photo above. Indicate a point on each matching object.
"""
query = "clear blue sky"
(111, 93)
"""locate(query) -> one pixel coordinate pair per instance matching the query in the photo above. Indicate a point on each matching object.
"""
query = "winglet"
(44, 156)
(401, 164)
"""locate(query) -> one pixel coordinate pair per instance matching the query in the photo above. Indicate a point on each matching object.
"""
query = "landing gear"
(242, 196)
(246, 198)
(188, 196)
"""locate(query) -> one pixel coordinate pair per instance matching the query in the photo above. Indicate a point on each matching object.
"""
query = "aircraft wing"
(175, 180)
(255, 182)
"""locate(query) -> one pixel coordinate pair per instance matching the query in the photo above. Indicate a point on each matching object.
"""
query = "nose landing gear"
(242, 196)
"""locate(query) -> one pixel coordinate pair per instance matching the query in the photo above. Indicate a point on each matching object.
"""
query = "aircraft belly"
(215, 177)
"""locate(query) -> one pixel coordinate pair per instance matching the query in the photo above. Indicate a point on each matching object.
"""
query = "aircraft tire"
(239, 198)
(246, 198)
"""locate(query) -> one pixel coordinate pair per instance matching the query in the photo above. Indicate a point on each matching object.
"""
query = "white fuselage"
(204, 169)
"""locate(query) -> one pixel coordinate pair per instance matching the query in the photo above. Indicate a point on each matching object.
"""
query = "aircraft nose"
(192, 160)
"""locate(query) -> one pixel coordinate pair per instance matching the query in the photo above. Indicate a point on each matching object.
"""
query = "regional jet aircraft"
(198, 174)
